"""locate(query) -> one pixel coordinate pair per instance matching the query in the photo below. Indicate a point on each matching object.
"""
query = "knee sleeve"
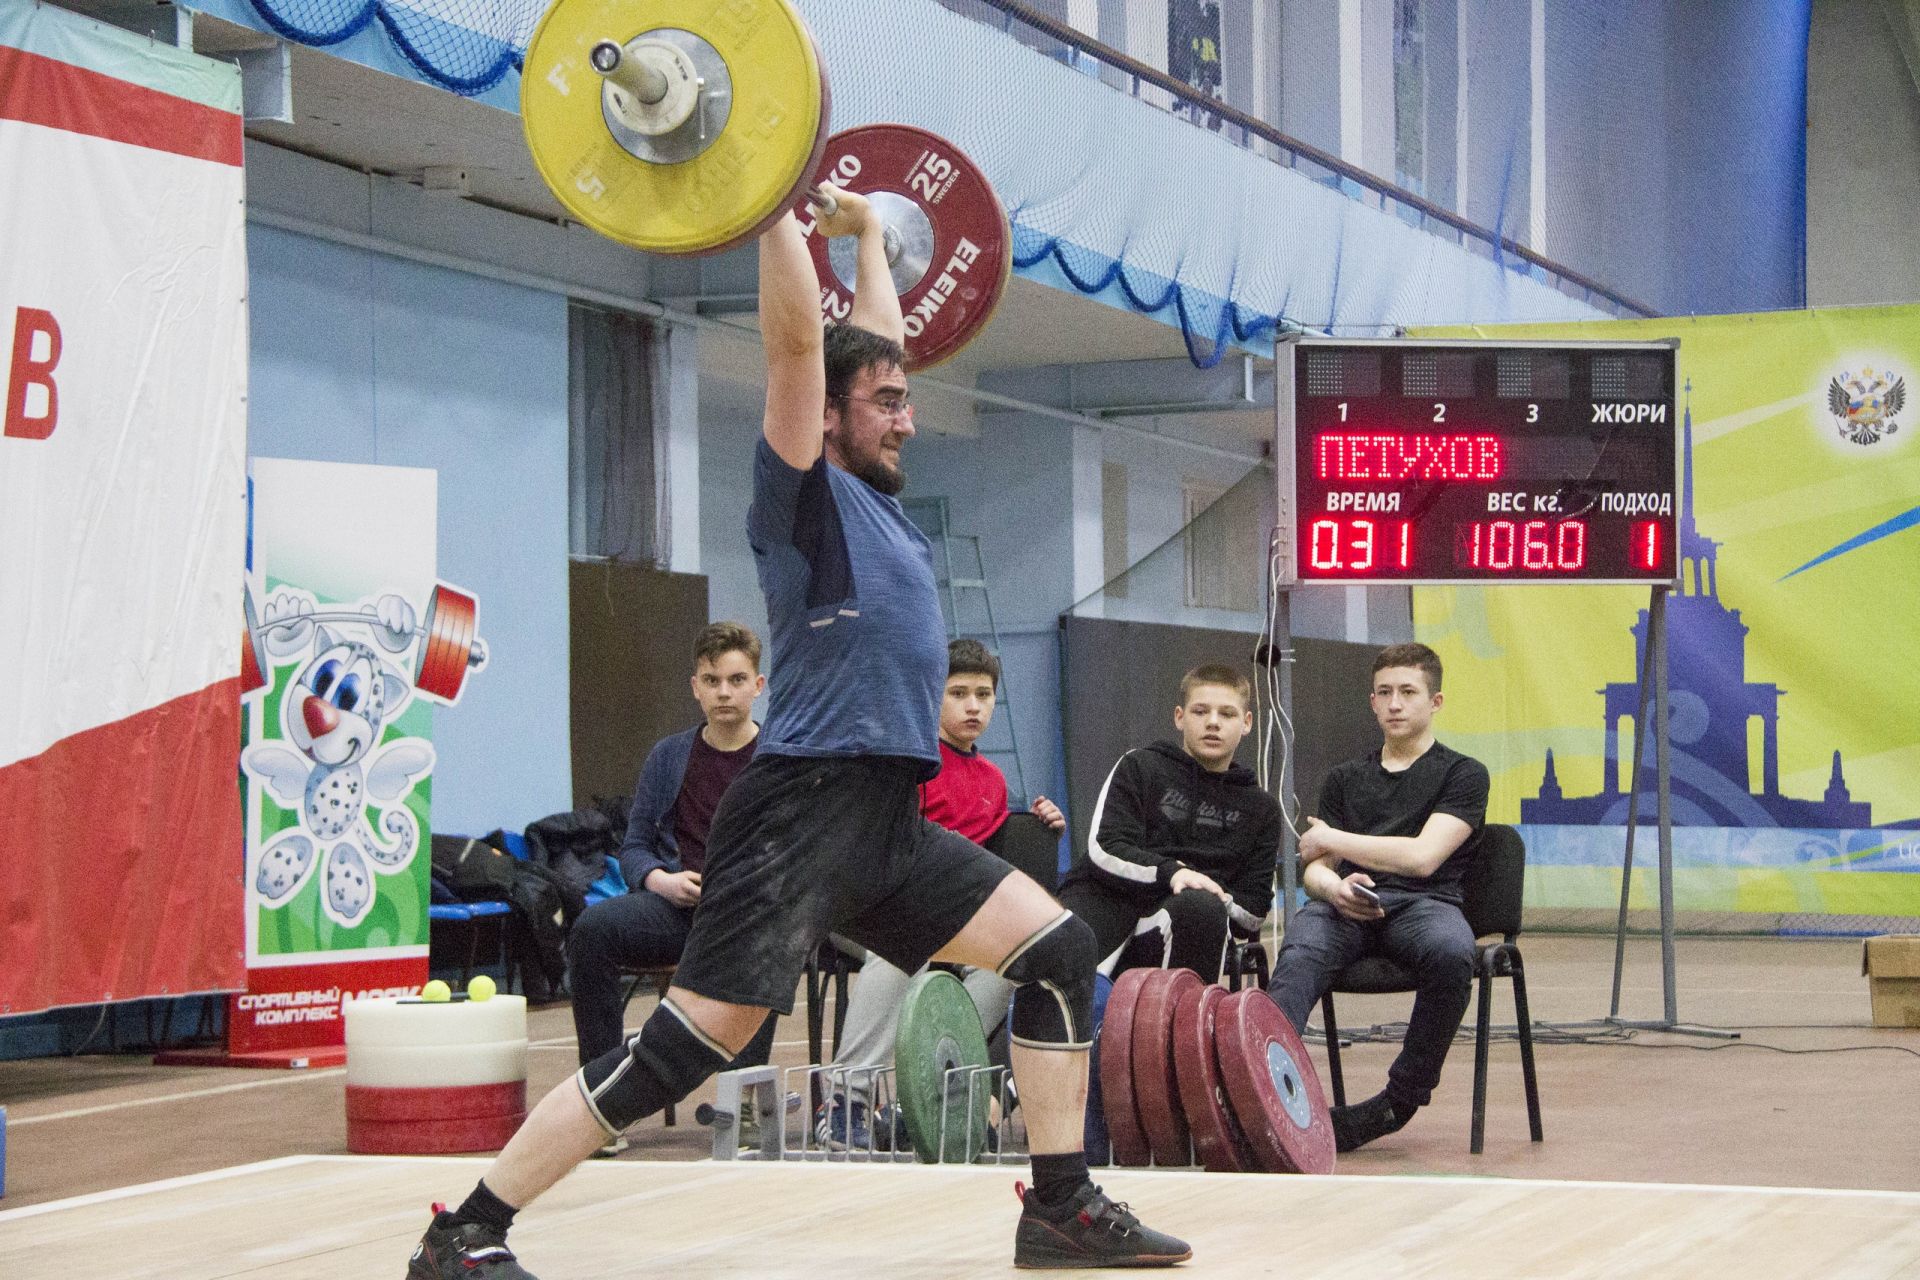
(664, 1063)
(1056, 969)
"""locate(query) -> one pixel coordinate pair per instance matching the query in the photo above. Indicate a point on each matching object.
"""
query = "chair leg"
(840, 980)
(1260, 973)
(1333, 1050)
(816, 1019)
(1526, 1046)
(473, 952)
(1482, 1032)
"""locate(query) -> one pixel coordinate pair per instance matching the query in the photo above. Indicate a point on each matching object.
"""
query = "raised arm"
(876, 305)
(790, 332)
(790, 324)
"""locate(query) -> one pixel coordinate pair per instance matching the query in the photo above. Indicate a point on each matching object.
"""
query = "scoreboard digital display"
(1407, 461)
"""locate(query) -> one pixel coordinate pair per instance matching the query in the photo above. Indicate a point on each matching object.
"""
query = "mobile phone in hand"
(1366, 893)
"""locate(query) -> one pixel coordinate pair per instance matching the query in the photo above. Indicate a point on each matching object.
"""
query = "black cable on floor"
(1546, 1033)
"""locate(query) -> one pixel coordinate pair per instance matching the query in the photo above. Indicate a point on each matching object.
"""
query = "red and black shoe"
(1091, 1231)
(463, 1251)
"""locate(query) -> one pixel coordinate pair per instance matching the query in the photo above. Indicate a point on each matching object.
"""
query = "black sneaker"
(1095, 1232)
(467, 1251)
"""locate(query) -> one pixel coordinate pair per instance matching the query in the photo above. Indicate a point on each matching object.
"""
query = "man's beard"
(880, 476)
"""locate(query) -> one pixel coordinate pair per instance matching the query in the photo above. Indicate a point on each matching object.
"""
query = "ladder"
(961, 576)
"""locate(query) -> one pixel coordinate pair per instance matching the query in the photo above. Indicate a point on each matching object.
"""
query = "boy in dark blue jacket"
(666, 846)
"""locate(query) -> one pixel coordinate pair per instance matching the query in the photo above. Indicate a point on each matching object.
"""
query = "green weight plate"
(940, 1030)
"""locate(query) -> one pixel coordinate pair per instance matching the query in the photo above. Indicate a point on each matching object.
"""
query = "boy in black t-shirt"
(1393, 823)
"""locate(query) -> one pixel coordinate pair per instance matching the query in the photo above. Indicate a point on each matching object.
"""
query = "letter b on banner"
(32, 417)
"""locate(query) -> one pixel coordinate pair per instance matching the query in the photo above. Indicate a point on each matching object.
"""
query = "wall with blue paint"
(362, 357)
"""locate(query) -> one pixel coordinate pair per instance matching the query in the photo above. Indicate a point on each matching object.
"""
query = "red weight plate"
(954, 241)
(252, 670)
(444, 1102)
(1217, 1140)
(1155, 1091)
(427, 672)
(450, 622)
(1271, 1083)
(253, 652)
(444, 622)
(1130, 1146)
(431, 1137)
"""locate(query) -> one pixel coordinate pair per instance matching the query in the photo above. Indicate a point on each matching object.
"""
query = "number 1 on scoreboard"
(1646, 545)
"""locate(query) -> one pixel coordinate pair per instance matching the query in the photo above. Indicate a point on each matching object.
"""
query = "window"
(1114, 561)
(1224, 556)
(1410, 95)
(612, 471)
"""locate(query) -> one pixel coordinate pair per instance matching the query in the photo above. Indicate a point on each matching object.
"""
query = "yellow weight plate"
(769, 146)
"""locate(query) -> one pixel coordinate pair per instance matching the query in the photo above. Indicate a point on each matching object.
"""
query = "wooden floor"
(328, 1217)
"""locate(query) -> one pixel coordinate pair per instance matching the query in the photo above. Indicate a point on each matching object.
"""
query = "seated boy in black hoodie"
(1183, 840)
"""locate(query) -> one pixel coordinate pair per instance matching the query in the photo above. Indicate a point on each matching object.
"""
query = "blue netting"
(466, 46)
(1207, 339)
(1666, 163)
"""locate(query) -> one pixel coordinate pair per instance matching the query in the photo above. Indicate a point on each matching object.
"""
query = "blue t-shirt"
(859, 646)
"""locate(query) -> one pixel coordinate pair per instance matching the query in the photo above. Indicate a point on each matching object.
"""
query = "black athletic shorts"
(802, 847)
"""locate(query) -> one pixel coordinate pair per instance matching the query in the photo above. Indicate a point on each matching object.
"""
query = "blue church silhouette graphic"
(1711, 703)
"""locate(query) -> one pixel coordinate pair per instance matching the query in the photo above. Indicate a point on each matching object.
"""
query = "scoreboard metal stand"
(1442, 462)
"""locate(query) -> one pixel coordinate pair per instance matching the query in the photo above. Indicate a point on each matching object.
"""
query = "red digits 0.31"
(1358, 546)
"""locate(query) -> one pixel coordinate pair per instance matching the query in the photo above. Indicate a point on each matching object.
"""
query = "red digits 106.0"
(1525, 546)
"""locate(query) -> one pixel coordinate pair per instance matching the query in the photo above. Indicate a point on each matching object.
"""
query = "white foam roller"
(417, 1022)
(428, 1066)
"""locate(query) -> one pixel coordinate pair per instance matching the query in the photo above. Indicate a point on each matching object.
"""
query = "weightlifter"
(1383, 865)
(822, 831)
(968, 796)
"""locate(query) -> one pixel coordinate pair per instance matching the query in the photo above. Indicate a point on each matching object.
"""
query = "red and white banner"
(123, 358)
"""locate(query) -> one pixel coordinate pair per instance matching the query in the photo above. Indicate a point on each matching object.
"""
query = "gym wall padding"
(122, 444)
(1120, 681)
(631, 630)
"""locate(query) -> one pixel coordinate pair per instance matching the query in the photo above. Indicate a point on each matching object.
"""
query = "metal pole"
(1289, 842)
(1633, 812)
(1657, 651)
(1655, 663)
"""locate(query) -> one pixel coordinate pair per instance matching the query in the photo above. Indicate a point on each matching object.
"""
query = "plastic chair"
(1492, 903)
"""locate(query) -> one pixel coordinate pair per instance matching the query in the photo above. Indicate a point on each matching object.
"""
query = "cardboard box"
(1892, 965)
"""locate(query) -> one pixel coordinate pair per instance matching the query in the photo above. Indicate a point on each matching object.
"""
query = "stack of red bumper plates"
(1190, 1074)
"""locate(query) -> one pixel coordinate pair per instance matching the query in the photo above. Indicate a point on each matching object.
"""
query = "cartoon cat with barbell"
(332, 714)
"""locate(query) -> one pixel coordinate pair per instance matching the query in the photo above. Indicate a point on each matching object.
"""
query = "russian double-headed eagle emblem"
(1864, 405)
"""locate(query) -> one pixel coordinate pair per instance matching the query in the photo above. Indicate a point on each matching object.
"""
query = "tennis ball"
(481, 988)
(435, 992)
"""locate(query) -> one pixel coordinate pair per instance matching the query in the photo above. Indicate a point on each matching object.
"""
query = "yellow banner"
(1795, 722)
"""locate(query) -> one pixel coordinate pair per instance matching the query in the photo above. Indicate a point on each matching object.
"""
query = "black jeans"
(1186, 930)
(1426, 935)
(633, 931)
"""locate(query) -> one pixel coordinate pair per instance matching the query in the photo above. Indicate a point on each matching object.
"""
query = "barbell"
(449, 649)
(691, 126)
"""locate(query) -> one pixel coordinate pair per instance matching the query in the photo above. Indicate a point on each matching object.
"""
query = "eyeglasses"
(889, 407)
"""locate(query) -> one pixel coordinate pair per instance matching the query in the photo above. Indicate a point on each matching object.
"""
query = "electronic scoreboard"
(1405, 461)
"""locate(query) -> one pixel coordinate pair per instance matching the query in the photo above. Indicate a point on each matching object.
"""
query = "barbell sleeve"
(645, 82)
